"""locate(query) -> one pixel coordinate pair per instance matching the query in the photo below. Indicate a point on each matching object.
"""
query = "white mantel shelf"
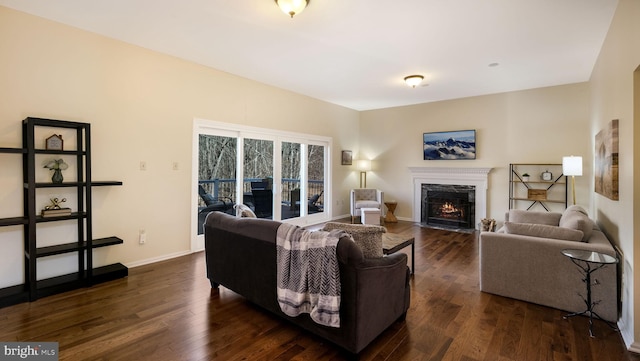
(475, 176)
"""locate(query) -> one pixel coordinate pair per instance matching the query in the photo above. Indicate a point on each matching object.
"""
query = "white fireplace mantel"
(478, 177)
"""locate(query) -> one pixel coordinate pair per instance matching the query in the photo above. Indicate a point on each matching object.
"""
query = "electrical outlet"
(143, 165)
(142, 237)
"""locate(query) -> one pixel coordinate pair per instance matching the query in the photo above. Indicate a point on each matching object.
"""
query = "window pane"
(258, 176)
(290, 180)
(315, 188)
(216, 175)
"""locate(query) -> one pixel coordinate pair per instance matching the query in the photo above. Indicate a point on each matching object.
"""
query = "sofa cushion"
(575, 217)
(522, 216)
(543, 230)
(367, 237)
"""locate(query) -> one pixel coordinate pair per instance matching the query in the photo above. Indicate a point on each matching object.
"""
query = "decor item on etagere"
(525, 177)
(54, 209)
(57, 166)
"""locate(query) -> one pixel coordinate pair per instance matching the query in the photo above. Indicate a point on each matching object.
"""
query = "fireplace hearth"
(448, 205)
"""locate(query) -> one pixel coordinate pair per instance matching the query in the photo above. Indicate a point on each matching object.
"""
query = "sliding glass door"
(278, 175)
(257, 183)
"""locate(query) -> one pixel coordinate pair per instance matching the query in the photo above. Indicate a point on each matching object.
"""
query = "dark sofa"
(241, 256)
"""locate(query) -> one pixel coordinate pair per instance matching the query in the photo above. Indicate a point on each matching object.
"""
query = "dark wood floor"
(167, 311)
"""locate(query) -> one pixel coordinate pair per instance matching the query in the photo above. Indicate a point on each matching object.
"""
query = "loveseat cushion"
(543, 230)
(522, 216)
(575, 217)
(367, 237)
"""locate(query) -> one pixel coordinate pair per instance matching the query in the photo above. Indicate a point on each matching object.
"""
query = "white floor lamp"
(572, 166)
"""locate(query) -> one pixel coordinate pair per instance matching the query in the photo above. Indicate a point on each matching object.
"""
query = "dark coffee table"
(392, 243)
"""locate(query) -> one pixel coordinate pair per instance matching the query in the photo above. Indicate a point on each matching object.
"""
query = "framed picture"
(606, 171)
(347, 157)
(453, 145)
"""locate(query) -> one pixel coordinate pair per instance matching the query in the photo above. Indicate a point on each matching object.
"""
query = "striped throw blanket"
(308, 273)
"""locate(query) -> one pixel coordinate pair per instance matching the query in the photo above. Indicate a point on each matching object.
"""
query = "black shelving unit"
(527, 192)
(87, 275)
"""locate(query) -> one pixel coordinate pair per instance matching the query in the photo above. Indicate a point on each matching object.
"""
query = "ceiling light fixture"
(292, 7)
(413, 80)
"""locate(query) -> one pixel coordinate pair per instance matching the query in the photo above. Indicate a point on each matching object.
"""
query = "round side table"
(589, 262)
(391, 207)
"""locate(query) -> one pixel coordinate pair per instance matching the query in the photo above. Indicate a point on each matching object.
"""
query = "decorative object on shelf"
(606, 170)
(449, 145)
(347, 157)
(546, 175)
(54, 142)
(57, 166)
(537, 194)
(525, 177)
(55, 203)
(572, 166)
(54, 209)
(292, 7)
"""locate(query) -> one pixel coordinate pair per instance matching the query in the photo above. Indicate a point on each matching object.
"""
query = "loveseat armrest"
(534, 269)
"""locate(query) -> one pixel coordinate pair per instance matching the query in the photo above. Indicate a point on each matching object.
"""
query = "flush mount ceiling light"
(413, 80)
(292, 7)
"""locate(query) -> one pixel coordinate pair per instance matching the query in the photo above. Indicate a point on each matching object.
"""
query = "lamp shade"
(572, 165)
(364, 165)
(292, 7)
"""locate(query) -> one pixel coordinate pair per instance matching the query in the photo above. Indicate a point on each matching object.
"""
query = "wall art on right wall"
(606, 171)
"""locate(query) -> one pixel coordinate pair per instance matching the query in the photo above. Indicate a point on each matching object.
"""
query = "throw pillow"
(367, 237)
(577, 219)
(244, 211)
(522, 216)
(543, 230)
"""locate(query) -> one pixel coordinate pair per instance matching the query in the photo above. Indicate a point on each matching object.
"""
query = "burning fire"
(449, 209)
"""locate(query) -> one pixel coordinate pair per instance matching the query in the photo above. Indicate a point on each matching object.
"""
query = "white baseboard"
(157, 259)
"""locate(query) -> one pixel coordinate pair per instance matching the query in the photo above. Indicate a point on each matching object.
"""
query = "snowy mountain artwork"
(453, 145)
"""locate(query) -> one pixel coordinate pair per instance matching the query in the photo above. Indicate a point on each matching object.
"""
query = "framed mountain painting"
(453, 145)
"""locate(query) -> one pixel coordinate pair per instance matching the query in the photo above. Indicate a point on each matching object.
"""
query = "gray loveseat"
(523, 260)
(241, 255)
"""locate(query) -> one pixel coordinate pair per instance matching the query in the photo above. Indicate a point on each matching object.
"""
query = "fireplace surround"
(477, 178)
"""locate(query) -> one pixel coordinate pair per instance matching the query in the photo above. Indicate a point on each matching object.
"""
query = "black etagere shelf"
(34, 288)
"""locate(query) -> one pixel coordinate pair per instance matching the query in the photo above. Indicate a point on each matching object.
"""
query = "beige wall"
(141, 106)
(533, 126)
(612, 97)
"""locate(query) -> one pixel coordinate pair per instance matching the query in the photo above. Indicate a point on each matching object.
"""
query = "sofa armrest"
(534, 269)
(382, 294)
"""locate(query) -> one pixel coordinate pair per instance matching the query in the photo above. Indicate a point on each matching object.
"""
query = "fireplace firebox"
(448, 206)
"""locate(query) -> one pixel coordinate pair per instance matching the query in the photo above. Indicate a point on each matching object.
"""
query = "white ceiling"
(355, 53)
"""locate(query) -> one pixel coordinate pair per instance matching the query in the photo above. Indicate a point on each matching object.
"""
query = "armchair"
(365, 198)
